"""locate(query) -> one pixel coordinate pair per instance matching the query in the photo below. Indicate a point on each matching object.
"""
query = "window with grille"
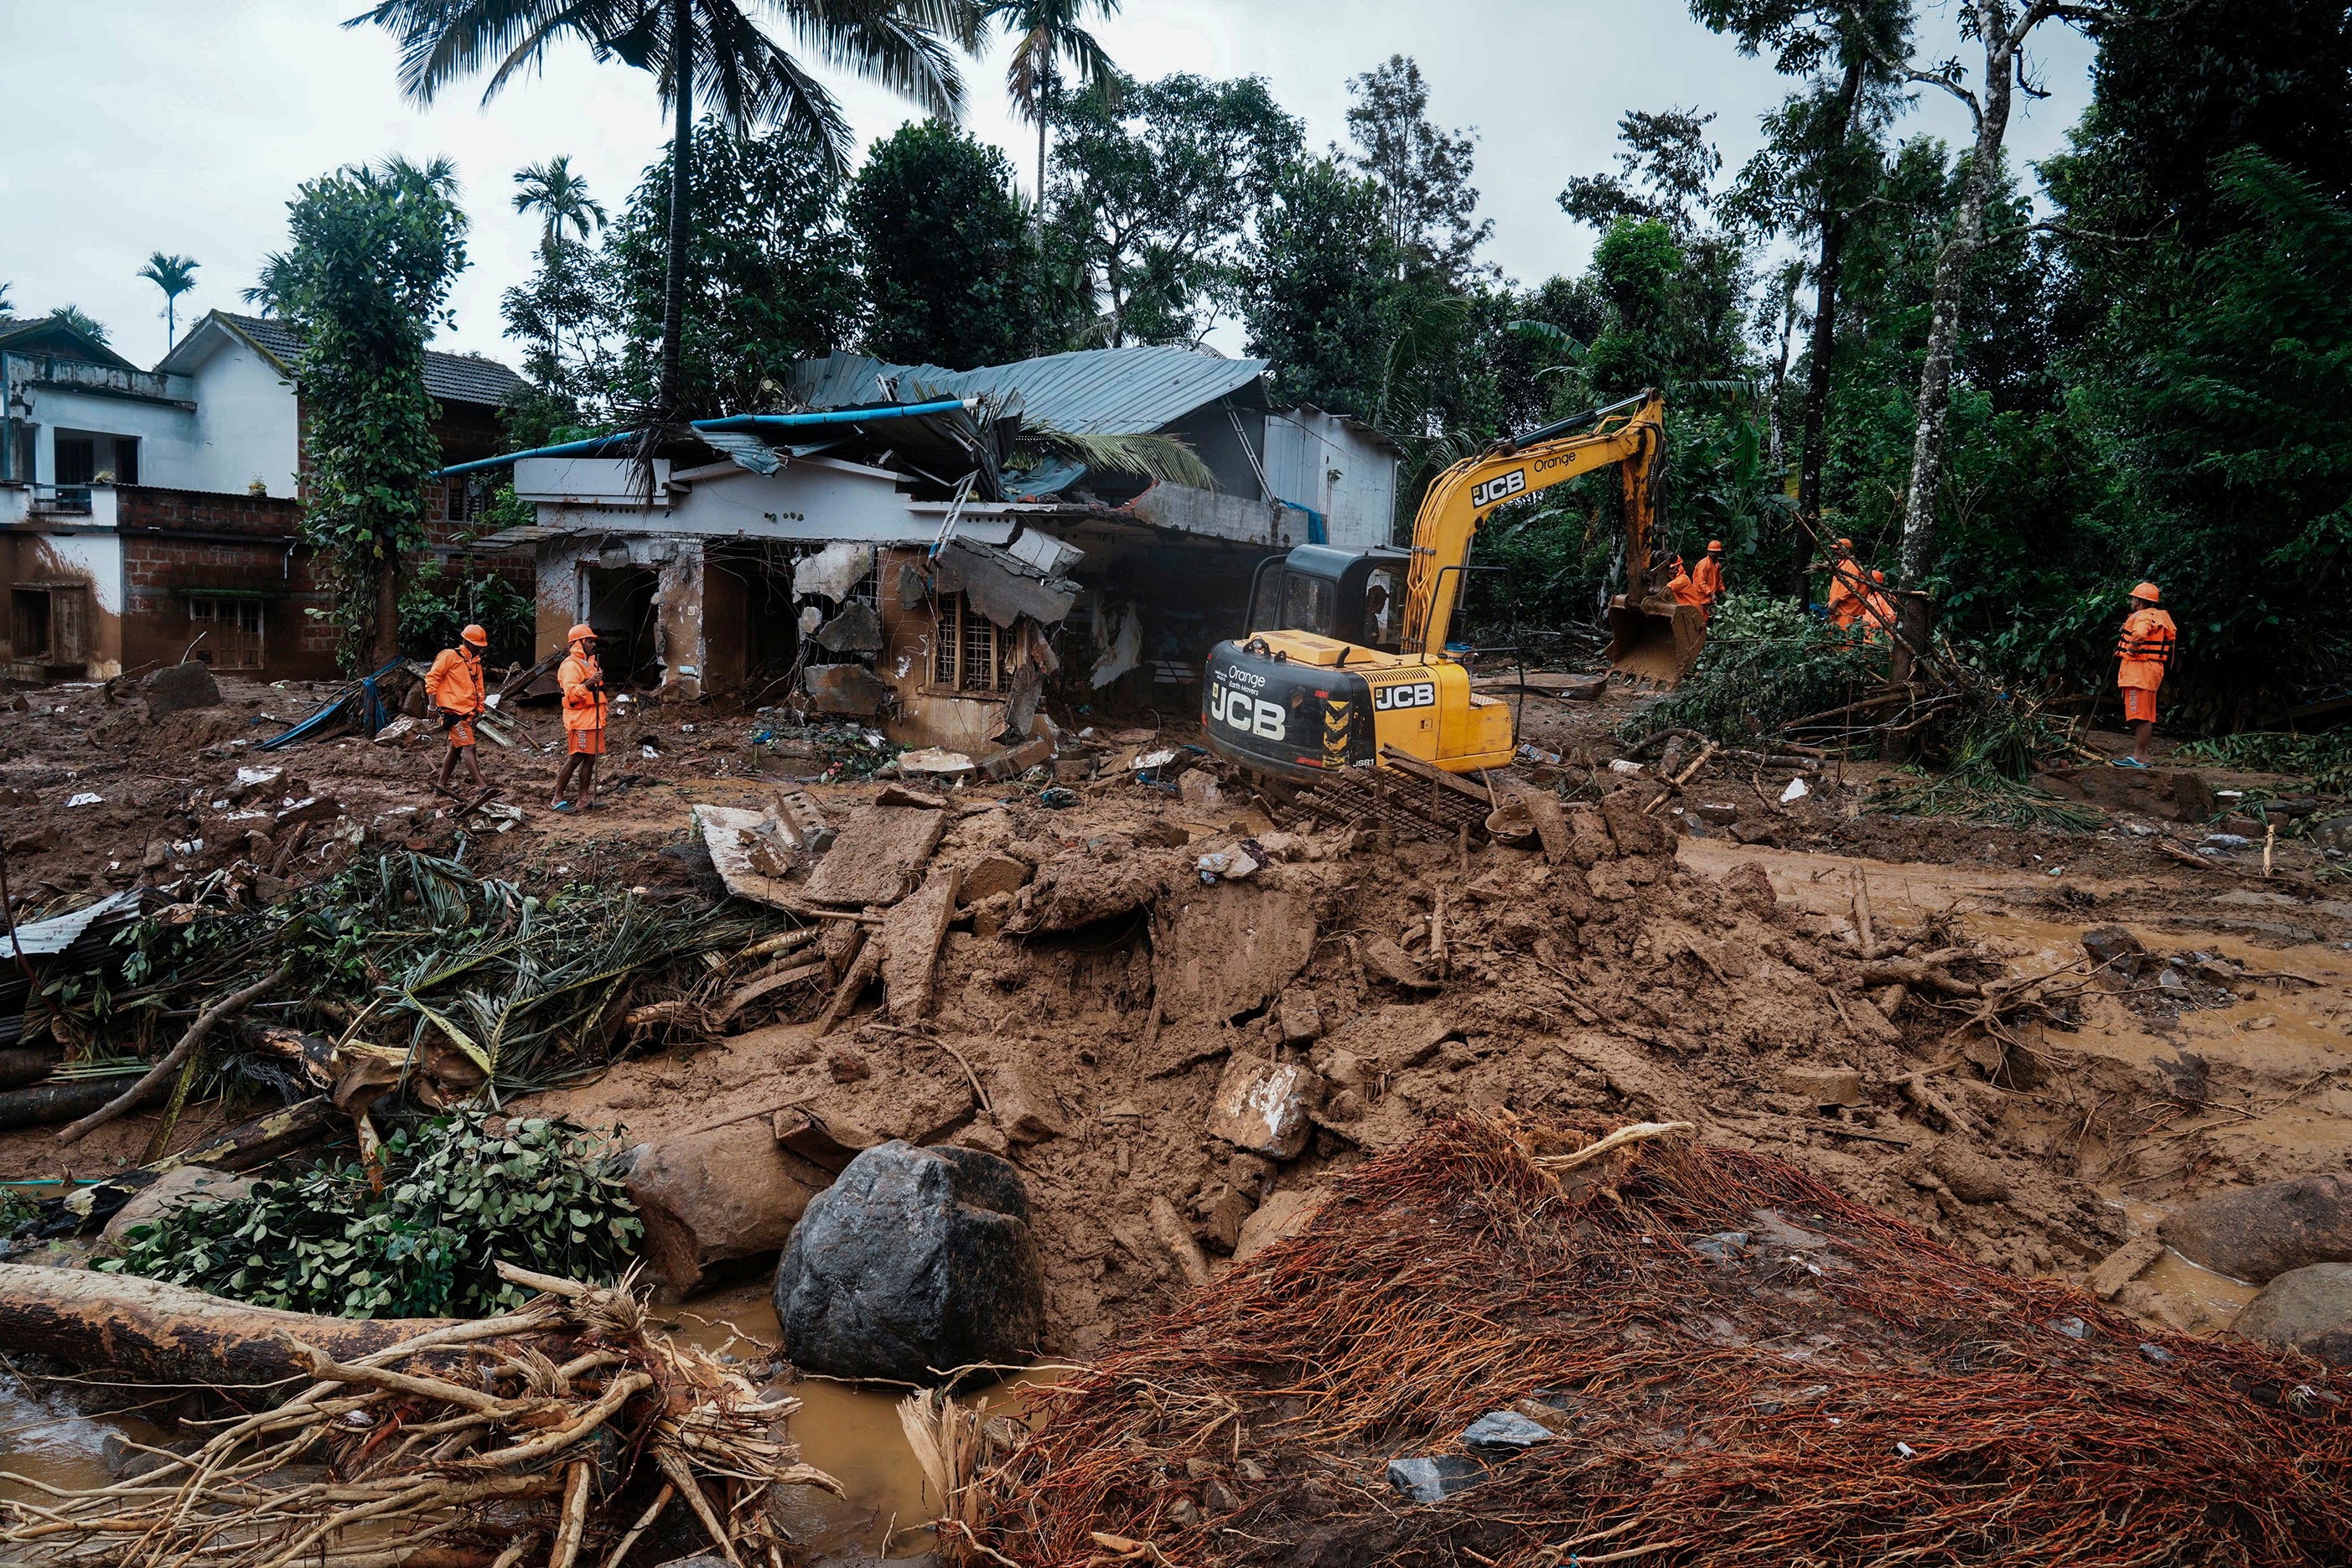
(968, 651)
(232, 632)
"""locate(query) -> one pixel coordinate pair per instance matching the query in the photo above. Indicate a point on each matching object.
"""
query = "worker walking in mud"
(1709, 576)
(2143, 651)
(584, 710)
(455, 689)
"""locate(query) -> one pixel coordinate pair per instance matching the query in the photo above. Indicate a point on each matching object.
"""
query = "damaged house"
(930, 550)
(145, 515)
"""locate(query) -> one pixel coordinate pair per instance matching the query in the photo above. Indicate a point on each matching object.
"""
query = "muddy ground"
(1718, 983)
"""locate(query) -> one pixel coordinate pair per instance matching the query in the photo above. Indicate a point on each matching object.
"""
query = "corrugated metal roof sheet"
(1091, 392)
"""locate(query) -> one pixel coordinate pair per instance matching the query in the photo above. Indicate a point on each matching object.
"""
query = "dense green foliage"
(373, 254)
(950, 272)
(437, 603)
(418, 1238)
(1766, 662)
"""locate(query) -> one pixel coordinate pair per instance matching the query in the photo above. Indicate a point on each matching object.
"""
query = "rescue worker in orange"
(1684, 587)
(1876, 611)
(454, 687)
(1846, 590)
(585, 708)
(1709, 575)
(2143, 653)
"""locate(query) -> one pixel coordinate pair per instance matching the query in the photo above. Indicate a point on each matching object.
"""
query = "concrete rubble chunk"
(1297, 1018)
(993, 874)
(1278, 1217)
(1823, 1086)
(2258, 1233)
(856, 629)
(1025, 1109)
(2124, 1264)
(180, 688)
(1265, 1107)
(850, 691)
(914, 1262)
(710, 1198)
(748, 849)
(1436, 1477)
(911, 936)
(1387, 961)
(2307, 1309)
(1000, 585)
(880, 853)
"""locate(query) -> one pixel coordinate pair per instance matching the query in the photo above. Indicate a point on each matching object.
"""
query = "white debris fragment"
(1795, 793)
(86, 799)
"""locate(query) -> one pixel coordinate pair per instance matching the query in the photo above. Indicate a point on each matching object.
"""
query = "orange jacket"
(1709, 578)
(2146, 648)
(583, 680)
(1876, 613)
(1685, 591)
(1846, 590)
(455, 684)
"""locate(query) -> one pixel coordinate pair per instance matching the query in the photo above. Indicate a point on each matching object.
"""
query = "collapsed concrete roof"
(1090, 391)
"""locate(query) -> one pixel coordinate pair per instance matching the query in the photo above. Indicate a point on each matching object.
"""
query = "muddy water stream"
(851, 1433)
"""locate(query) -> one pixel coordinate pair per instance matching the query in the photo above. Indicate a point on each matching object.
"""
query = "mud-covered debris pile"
(1692, 1355)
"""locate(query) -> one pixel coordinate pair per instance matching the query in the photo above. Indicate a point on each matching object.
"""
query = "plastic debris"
(1436, 1478)
(1795, 793)
(86, 799)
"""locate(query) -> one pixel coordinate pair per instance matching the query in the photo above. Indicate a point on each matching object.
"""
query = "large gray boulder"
(2257, 1233)
(913, 1264)
(2307, 1309)
(177, 688)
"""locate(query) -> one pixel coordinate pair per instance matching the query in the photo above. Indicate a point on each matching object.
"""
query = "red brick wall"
(173, 541)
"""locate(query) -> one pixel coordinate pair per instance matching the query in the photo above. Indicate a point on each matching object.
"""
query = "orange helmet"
(1714, 546)
(2145, 590)
(1845, 544)
(1877, 576)
(581, 632)
(475, 635)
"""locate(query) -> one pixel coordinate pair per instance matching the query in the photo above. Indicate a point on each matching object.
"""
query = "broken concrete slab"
(880, 852)
(832, 572)
(749, 852)
(994, 875)
(912, 935)
(846, 690)
(1265, 1107)
(1000, 585)
(2124, 1264)
(1221, 951)
(856, 629)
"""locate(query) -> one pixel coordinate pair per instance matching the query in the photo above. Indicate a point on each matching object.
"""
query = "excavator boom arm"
(1460, 499)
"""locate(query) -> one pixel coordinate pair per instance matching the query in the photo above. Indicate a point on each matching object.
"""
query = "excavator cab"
(1349, 596)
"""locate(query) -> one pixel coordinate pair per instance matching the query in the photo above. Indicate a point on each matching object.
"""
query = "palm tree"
(1044, 34)
(6, 308)
(715, 47)
(174, 275)
(561, 200)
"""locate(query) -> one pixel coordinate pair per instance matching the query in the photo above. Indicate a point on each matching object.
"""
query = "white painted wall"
(1323, 461)
(812, 499)
(244, 427)
(164, 431)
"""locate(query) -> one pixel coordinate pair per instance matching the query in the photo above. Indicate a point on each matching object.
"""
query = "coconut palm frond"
(1161, 457)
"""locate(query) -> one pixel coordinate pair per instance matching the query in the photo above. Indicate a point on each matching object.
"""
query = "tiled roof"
(1092, 392)
(450, 378)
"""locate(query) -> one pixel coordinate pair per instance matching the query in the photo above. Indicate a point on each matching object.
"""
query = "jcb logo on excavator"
(1420, 694)
(1246, 712)
(1499, 487)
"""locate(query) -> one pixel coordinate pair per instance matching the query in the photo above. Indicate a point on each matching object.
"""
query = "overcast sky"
(185, 125)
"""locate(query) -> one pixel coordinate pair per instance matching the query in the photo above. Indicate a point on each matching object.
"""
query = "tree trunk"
(1833, 222)
(386, 641)
(146, 1331)
(45, 1103)
(1935, 407)
(681, 164)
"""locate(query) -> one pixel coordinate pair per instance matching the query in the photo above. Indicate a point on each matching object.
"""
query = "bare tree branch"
(1904, 70)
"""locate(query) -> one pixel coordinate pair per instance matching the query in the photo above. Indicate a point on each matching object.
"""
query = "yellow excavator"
(1344, 652)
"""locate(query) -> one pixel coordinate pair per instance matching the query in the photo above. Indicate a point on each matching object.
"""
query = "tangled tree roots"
(557, 1433)
(1812, 1381)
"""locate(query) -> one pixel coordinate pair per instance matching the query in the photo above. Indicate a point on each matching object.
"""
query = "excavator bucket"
(1653, 645)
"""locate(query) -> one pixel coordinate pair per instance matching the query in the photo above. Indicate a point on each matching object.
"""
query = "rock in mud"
(915, 1259)
(1026, 1110)
(1436, 1478)
(169, 1193)
(177, 688)
(1265, 1107)
(1822, 1086)
(715, 1198)
(2307, 1309)
(1280, 1217)
(1504, 1432)
(1750, 885)
(1633, 831)
(2258, 1233)
(2113, 946)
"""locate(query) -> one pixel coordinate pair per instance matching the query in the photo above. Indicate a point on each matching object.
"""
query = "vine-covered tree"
(366, 279)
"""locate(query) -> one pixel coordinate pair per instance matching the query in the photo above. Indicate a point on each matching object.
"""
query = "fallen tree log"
(1912, 973)
(45, 1103)
(153, 1332)
(237, 1148)
(25, 1065)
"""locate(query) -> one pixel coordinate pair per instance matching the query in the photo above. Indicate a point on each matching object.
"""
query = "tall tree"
(1813, 175)
(2001, 29)
(1155, 195)
(81, 321)
(1665, 174)
(768, 275)
(1319, 291)
(367, 280)
(1044, 34)
(951, 277)
(174, 275)
(715, 47)
(560, 199)
(1422, 170)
